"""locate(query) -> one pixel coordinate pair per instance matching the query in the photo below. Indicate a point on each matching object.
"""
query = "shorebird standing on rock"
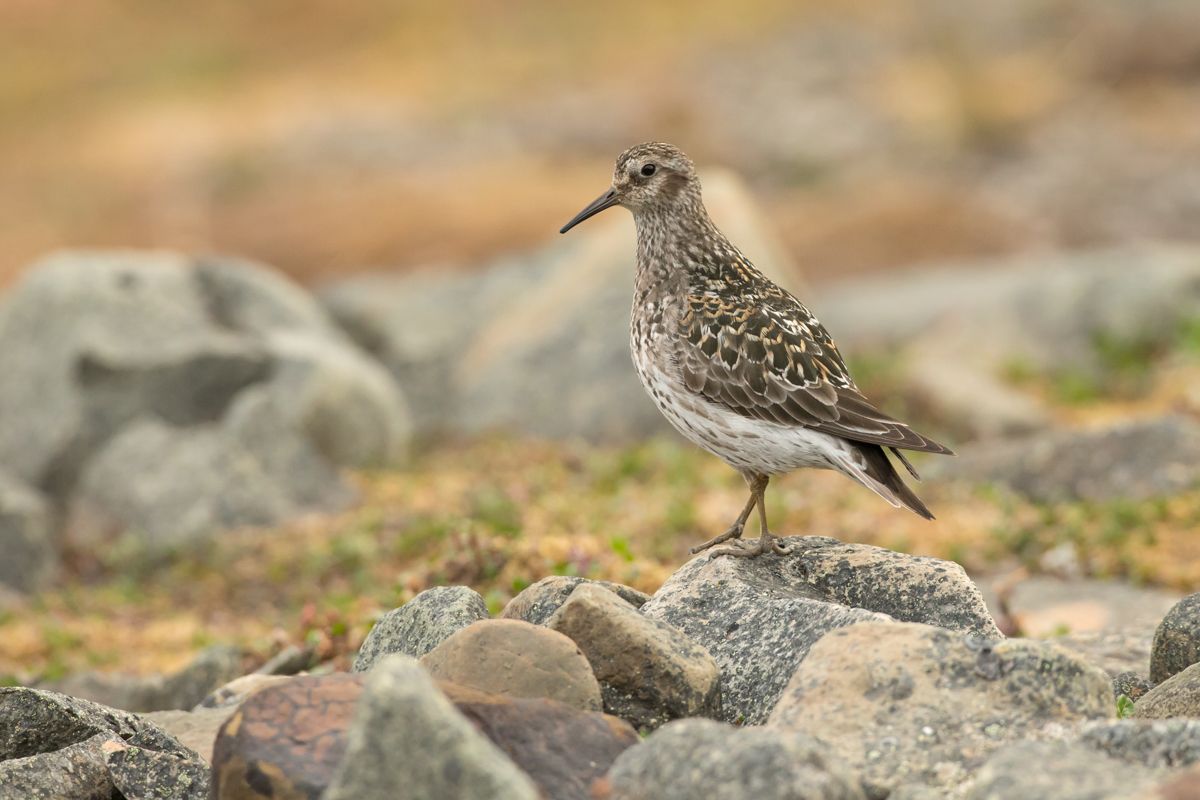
(738, 365)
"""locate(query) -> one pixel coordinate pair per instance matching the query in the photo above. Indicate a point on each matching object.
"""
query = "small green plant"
(1124, 707)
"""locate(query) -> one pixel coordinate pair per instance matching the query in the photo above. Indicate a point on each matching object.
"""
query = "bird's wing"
(769, 358)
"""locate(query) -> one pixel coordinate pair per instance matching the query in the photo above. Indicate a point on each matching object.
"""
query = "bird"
(737, 364)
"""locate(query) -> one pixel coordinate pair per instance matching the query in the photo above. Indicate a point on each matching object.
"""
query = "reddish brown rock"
(285, 741)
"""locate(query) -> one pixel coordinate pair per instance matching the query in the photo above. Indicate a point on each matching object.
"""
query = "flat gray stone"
(1169, 744)
(1060, 770)
(36, 721)
(408, 739)
(421, 624)
(538, 601)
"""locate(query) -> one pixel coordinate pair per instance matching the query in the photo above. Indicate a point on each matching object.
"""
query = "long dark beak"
(606, 200)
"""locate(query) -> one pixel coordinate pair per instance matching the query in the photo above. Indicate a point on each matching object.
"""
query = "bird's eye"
(648, 170)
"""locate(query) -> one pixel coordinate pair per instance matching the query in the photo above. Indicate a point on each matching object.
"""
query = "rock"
(252, 298)
(1177, 696)
(1151, 743)
(286, 740)
(36, 721)
(103, 344)
(1130, 684)
(195, 730)
(30, 561)
(1134, 460)
(172, 487)
(407, 738)
(649, 671)
(1046, 310)
(238, 689)
(1176, 640)
(402, 321)
(345, 403)
(1063, 771)
(521, 344)
(421, 624)
(759, 617)
(538, 601)
(75, 772)
(911, 703)
(516, 659)
(288, 661)
(259, 422)
(700, 758)
(562, 749)
(141, 774)
(213, 667)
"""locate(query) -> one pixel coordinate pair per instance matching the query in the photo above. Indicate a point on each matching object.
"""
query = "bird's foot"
(767, 543)
(734, 532)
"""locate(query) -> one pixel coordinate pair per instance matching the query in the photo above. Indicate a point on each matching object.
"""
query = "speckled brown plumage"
(736, 363)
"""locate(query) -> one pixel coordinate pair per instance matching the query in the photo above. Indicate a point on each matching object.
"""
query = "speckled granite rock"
(421, 624)
(536, 602)
(914, 703)
(759, 617)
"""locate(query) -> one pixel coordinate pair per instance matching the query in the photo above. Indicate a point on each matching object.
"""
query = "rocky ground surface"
(838, 671)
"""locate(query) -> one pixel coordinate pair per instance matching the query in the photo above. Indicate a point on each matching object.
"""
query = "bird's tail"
(878, 474)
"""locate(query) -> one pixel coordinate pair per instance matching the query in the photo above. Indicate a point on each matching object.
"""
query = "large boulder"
(25, 537)
(912, 703)
(74, 772)
(1136, 460)
(523, 344)
(696, 758)
(759, 617)
(97, 344)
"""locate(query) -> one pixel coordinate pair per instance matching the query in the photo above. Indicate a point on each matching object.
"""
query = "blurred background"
(288, 333)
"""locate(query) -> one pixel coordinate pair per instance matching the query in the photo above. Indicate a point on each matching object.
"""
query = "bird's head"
(654, 176)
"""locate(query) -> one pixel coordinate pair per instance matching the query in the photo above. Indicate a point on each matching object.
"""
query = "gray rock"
(235, 691)
(1177, 696)
(759, 617)
(348, 406)
(68, 305)
(407, 738)
(36, 721)
(649, 671)
(1151, 743)
(258, 421)
(141, 774)
(252, 298)
(1046, 309)
(421, 624)
(911, 703)
(75, 772)
(173, 486)
(30, 561)
(516, 659)
(538, 601)
(696, 758)
(1130, 684)
(1135, 460)
(183, 689)
(1059, 770)
(1176, 640)
(416, 325)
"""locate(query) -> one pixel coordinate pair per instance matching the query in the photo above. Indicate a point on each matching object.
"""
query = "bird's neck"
(673, 240)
